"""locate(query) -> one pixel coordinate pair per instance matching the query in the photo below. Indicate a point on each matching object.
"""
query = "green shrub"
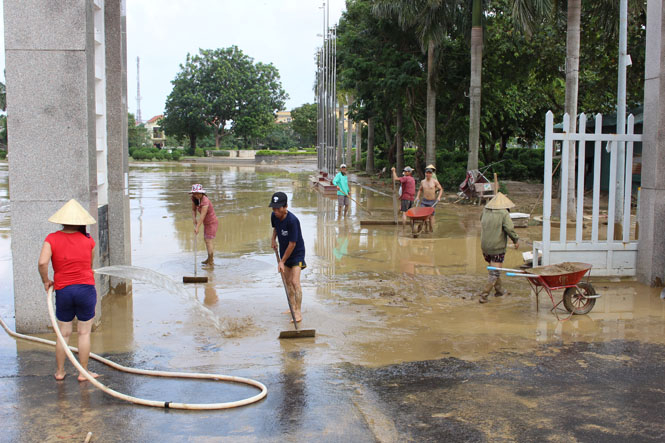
(266, 152)
(220, 153)
(3, 154)
(198, 152)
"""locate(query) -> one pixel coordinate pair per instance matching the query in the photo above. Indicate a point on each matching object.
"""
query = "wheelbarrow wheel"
(576, 301)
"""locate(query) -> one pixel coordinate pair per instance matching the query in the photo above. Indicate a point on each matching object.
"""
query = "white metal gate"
(608, 256)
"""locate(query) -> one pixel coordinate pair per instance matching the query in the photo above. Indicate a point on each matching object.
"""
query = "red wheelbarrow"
(419, 217)
(578, 297)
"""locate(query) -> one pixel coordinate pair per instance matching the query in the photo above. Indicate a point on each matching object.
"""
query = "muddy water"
(375, 295)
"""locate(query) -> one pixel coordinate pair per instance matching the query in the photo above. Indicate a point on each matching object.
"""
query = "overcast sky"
(162, 32)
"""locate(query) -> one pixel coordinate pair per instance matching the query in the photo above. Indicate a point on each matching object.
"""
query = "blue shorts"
(297, 261)
(75, 301)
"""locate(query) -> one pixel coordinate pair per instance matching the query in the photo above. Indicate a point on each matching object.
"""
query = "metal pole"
(621, 111)
(334, 82)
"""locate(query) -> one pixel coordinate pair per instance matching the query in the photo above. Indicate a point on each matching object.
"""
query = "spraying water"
(162, 281)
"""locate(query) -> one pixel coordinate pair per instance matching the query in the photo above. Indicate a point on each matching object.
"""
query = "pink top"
(210, 215)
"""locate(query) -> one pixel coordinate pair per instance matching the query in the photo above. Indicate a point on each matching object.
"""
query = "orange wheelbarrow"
(419, 217)
(578, 297)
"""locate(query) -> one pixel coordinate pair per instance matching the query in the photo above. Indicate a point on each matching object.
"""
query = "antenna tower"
(138, 93)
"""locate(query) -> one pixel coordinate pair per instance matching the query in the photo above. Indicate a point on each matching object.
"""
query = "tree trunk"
(217, 136)
(474, 93)
(572, 76)
(359, 145)
(399, 141)
(390, 142)
(430, 141)
(369, 166)
(192, 144)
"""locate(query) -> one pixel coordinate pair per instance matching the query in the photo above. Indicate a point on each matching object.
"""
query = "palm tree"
(527, 14)
(431, 20)
(475, 84)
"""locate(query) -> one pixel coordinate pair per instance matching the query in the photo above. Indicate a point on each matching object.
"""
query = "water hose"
(136, 400)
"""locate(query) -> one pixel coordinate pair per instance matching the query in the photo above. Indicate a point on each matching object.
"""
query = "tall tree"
(184, 111)
(475, 84)
(304, 123)
(222, 89)
(432, 21)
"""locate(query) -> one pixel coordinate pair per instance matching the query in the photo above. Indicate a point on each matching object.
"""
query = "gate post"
(651, 250)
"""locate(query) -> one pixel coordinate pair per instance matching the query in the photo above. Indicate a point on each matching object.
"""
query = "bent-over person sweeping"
(496, 228)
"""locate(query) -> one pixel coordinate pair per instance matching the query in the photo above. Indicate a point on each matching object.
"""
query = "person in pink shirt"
(408, 184)
(70, 252)
(202, 205)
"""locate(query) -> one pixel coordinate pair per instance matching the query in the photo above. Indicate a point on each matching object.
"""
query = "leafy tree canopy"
(304, 123)
(220, 90)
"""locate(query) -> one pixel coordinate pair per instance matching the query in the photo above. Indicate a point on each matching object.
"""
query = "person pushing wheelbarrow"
(496, 228)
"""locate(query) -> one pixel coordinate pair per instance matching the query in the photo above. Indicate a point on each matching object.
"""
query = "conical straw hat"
(500, 201)
(72, 213)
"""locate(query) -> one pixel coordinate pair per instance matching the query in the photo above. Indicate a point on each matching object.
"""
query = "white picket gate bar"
(609, 257)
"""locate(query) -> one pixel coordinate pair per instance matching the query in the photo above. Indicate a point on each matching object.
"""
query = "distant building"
(157, 136)
(283, 117)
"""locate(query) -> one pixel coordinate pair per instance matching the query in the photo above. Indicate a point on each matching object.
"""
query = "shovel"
(298, 333)
(195, 279)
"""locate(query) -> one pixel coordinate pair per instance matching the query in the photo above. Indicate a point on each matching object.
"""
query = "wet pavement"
(403, 350)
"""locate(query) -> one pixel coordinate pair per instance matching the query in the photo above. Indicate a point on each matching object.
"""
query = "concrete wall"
(651, 249)
(50, 73)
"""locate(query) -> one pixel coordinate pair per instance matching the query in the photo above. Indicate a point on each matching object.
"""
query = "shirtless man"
(429, 188)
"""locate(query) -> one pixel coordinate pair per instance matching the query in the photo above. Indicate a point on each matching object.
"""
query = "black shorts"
(297, 261)
(406, 205)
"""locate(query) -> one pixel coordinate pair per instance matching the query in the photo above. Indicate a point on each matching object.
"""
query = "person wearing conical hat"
(70, 253)
(496, 228)
(202, 204)
(432, 192)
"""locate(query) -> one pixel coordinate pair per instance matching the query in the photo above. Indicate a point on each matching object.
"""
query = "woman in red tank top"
(70, 253)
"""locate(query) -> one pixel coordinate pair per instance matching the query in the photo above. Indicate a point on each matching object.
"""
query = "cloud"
(162, 32)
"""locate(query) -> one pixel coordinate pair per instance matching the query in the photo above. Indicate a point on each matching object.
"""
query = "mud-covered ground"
(403, 350)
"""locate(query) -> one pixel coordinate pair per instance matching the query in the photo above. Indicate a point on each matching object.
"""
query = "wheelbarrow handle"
(494, 268)
(521, 274)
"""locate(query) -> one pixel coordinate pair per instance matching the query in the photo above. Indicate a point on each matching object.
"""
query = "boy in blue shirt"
(286, 231)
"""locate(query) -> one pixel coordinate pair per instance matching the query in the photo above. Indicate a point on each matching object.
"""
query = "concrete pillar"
(651, 249)
(115, 30)
(56, 91)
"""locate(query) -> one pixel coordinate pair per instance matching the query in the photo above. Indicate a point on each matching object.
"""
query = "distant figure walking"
(70, 252)
(202, 204)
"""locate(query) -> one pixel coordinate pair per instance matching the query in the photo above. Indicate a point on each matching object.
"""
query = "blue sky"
(162, 32)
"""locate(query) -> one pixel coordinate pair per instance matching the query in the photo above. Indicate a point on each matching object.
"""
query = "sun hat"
(408, 169)
(343, 165)
(430, 166)
(72, 213)
(500, 201)
(197, 189)
(278, 200)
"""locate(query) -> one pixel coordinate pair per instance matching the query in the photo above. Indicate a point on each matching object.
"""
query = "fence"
(609, 256)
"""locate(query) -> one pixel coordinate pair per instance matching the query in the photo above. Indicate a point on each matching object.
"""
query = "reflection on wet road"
(386, 307)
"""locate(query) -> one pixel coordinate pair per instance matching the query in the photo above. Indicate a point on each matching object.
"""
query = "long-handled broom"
(298, 333)
(195, 279)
